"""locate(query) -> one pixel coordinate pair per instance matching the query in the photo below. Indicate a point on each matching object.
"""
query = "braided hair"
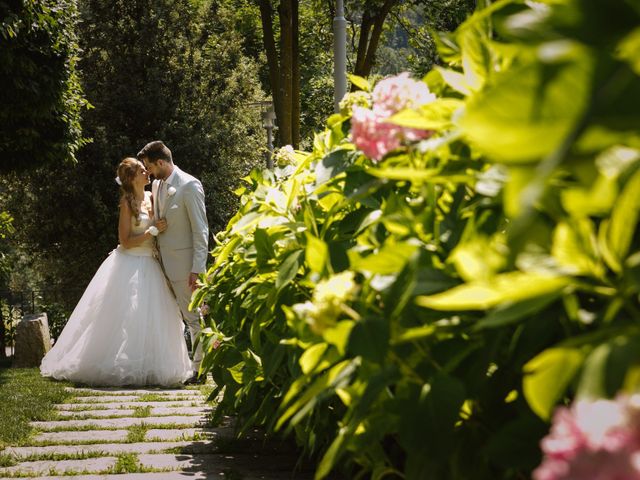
(127, 171)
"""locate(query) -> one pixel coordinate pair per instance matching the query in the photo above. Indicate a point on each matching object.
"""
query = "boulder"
(33, 340)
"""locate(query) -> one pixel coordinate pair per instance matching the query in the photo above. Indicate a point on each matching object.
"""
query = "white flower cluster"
(328, 302)
(358, 98)
(285, 156)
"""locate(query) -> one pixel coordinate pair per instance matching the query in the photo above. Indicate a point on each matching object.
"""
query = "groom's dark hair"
(154, 151)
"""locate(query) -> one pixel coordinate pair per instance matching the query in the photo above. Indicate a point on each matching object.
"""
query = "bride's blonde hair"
(127, 171)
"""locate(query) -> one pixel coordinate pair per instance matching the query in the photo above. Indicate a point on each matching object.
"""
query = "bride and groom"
(127, 329)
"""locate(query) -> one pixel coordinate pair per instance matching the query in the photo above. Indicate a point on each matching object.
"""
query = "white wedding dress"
(126, 328)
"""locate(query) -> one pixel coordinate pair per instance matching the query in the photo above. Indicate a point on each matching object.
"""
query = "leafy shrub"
(423, 314)
(41, 96)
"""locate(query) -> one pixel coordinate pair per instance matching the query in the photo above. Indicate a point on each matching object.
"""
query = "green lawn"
(25, 396)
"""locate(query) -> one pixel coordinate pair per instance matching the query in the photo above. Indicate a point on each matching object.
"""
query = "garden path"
(145, 434)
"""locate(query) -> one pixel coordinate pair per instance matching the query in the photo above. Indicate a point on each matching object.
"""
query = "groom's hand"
(192, 281)
(161, 225)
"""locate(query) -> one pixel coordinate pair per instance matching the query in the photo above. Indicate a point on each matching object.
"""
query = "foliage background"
(152, 70)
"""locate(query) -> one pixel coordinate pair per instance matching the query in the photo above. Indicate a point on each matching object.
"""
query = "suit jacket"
(183, 245)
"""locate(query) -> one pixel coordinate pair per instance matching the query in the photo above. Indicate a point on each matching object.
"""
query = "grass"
(155, 397)
(126, 463)
(95, 427)
(137, 433)
(142, 412)
(7, 460)
(26, 396)
(59, 457)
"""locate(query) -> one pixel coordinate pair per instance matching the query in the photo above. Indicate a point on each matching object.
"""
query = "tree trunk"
(3, 337)
(372, 22)
(266, 16)
(295, 76)
(286, 70)
(363, 42)
(375, 35)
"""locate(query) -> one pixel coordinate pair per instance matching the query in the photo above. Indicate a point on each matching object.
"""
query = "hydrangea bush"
(454, 260)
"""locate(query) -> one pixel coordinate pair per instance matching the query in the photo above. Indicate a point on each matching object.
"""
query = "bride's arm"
(125, 237)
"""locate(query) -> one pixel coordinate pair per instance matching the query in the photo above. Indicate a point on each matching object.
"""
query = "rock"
(32, 340)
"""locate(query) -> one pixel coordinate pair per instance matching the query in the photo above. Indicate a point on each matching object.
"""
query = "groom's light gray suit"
(183, 245)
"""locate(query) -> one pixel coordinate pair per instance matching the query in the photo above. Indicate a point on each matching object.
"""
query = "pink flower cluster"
(593, 440)
(370, 130)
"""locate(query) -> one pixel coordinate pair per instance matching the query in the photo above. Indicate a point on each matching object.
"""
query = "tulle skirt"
(125, 330)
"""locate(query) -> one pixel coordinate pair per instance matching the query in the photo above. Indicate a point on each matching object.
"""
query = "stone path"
(144, 434)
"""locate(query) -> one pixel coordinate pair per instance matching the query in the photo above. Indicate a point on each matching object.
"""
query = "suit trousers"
(192, 319)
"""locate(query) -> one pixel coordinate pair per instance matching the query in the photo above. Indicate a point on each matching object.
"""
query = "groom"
(178, 199)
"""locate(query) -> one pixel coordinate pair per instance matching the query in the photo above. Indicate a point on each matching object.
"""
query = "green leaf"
(624, 221)
(516, 444)
(528, 111)
(330, 165)
(338, 335)
(289, 269)
(598, 200)
(485, 294)
(224, 253)
(592, 383)
(264, 248)
(316, 254)
(390, 259)
(547, 377)
(432, 116)
(237, 372)
(574, 247)
(476, 54)
(629, 50)
(311, 357)
(512, 312)
(360, 82)
(415, 333)
(479, 258)
(246, 221)
(410, 174)
(332, 455)
(370, 339)
(429, 417)
(310, 396)
(455, 80)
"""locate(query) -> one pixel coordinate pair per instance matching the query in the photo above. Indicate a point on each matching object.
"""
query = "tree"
(41, 100)
(284, 68)
(374, 14)
(164, 69)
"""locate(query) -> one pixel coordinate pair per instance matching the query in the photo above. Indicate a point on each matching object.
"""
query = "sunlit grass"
(26, 396)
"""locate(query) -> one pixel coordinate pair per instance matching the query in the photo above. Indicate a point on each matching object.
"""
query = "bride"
(126, 328)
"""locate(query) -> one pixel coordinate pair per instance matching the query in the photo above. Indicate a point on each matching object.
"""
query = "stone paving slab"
(144, 391)
(121, 412)
(117, 405)
(110, 448)
(241, 463)
(106, 398)
(45, 466)
(166, 434)
(82, 437)
(125, 422)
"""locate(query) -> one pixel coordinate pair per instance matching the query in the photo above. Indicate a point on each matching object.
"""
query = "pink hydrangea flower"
(397, 93)
(593, 440)
(371, 132)
(372, 135)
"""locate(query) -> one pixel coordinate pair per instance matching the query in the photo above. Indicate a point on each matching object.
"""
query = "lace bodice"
(146, 247)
